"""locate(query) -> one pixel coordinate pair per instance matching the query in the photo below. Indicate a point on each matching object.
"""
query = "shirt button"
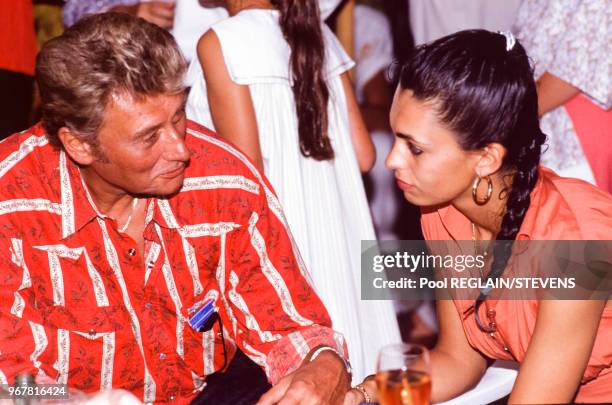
(132, 252)
(172, 397)
(162, 356)
(92, 333)
(506, 349)
(148, 305)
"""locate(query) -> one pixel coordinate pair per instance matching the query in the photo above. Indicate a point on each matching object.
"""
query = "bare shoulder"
(209, 49)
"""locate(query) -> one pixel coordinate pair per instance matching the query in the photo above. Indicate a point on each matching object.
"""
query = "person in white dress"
(570, 49)
(433, 19)
(273, 80)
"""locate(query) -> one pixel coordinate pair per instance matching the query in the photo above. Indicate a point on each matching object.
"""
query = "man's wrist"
(331, 353)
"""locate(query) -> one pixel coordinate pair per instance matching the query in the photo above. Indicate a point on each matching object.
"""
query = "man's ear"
(491, 159)
(79, 150)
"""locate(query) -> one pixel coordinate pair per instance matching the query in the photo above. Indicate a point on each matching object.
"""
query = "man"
(120, 221)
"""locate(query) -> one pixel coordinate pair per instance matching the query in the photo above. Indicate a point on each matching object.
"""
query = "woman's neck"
(236, 6)
(487, 218)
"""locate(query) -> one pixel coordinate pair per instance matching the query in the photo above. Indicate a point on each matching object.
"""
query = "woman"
(273, 80)
(468, 147)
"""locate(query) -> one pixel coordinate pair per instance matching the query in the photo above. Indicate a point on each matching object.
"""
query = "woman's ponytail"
(301, 27)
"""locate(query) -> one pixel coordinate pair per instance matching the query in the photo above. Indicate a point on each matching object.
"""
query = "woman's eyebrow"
(409, 137)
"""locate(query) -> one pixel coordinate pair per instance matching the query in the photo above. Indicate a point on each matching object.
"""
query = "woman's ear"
(79, 150)
(491, 159)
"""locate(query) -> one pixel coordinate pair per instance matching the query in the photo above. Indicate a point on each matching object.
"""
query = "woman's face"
(430, 167)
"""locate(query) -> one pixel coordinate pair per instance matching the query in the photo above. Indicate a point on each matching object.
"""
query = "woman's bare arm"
(362, 143)
(558, 351)
(553, 92)
(231, 105)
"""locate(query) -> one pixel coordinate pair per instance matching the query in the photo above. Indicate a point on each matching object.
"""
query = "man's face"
(142, 145)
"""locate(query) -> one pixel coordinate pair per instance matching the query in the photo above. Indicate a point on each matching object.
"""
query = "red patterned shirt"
(80, 304)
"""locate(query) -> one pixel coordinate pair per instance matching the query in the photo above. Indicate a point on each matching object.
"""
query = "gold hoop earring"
(475, 190)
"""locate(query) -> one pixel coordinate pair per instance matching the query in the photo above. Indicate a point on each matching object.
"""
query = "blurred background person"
(290, 107)
(373, 56)
(159, 12)
(569, 41)
(433, 19)
(17, 57)
(187, 19)
(374, 53)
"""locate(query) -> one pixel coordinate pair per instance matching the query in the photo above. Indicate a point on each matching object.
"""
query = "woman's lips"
(403, 186)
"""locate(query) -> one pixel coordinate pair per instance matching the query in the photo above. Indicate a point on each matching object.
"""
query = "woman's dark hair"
(301, 27)
(485, 93)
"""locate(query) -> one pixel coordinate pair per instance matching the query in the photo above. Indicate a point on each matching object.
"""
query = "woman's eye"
(414, 150)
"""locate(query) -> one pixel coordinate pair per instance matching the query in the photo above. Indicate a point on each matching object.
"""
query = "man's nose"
(176, 149)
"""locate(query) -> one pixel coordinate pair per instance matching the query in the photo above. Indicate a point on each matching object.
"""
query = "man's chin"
(171, 187)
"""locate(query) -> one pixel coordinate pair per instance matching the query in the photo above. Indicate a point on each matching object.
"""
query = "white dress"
(324, 202)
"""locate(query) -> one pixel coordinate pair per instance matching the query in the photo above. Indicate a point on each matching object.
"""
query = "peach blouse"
(561, 209)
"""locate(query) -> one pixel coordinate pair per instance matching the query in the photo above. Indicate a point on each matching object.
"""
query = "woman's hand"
(356, 397)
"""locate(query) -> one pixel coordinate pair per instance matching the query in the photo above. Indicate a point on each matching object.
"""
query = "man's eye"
(179, 117)
(150, 139)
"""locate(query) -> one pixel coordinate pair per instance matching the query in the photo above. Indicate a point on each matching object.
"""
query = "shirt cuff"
(288, 353)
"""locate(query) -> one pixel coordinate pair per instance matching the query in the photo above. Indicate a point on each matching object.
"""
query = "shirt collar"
(78, 209)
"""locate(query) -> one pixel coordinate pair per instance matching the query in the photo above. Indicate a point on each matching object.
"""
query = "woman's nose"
(391, 162)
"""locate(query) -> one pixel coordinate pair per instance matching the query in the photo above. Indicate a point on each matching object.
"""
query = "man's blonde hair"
(102, 55)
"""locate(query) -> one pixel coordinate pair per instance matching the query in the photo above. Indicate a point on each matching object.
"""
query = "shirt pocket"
(82, 346)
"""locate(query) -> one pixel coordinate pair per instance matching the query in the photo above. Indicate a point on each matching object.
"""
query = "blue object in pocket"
(199, 320)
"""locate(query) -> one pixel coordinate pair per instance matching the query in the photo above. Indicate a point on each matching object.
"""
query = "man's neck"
(108, 200)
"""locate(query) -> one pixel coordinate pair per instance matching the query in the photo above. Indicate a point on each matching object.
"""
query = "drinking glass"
(403, 376)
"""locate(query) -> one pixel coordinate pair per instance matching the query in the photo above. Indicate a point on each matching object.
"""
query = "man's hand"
(323, 381)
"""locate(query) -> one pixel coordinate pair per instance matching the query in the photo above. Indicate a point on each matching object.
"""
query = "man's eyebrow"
(409, 137)
(147, 130)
